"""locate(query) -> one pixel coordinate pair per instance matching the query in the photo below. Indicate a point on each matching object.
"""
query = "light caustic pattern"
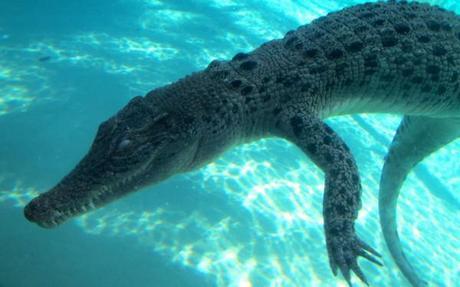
(14, 95)
(18, 196)
(266, 226)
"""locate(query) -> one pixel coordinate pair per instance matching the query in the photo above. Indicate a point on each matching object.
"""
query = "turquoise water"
(251, 218)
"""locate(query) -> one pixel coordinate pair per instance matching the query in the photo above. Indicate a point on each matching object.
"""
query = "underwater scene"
(251, 218)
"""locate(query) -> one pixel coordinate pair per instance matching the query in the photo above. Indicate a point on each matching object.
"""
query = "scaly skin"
(382, 57)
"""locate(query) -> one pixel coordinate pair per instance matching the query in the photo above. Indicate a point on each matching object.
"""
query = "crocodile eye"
(124, 144)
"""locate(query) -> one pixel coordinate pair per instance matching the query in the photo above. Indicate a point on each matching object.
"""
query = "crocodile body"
(386, 57)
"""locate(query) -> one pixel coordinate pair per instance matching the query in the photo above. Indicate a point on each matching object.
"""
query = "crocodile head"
(139, 146)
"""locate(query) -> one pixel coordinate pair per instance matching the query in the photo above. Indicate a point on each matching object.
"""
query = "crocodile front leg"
(342, 189)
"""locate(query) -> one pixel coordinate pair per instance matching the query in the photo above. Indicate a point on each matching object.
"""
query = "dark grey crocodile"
(394, 57)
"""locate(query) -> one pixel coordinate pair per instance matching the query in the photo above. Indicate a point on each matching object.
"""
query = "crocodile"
(384, 57)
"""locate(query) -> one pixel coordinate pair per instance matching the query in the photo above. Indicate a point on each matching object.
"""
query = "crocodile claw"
(344, 248)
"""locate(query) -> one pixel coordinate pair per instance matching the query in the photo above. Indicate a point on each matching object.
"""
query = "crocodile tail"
(415, 139)
(393, 176)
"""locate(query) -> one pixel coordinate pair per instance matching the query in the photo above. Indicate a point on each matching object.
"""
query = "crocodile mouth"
(76, 195)
(60, 204)
(39, 212)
